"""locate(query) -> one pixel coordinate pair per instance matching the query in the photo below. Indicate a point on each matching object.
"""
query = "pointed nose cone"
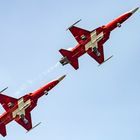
(134, 10)
(61, 78)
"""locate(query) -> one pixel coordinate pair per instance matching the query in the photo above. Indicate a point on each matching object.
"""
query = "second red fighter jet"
(91, 42)
(19, 109)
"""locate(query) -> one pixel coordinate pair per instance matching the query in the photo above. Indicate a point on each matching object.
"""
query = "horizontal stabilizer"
(74, 63)
(68, 58)
(65, 52)
(2, 129)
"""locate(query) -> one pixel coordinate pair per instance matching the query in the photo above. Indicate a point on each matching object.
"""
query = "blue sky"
(94, 103)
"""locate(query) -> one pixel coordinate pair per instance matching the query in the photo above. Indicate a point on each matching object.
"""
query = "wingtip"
(73, 24)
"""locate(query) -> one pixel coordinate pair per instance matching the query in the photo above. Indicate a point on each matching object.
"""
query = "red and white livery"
(19, 109)
(91, 42)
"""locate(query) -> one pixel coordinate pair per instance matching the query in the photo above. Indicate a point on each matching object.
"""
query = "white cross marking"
(94, 40)
(21, 107)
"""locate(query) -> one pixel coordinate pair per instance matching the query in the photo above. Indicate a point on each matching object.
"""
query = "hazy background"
(93, 103)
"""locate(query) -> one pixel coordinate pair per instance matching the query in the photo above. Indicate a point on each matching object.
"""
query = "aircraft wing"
(28, 125)
(99, 59)
(6, 101)
(79, 33)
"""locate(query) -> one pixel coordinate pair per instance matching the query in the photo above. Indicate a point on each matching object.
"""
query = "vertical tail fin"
(68, 58)
(2, 129)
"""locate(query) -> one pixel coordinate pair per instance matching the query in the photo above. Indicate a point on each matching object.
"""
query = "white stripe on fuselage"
(94, 40)
(22, 106)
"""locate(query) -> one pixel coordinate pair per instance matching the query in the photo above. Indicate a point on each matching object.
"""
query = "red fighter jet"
(19, 109)
(91, 42)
